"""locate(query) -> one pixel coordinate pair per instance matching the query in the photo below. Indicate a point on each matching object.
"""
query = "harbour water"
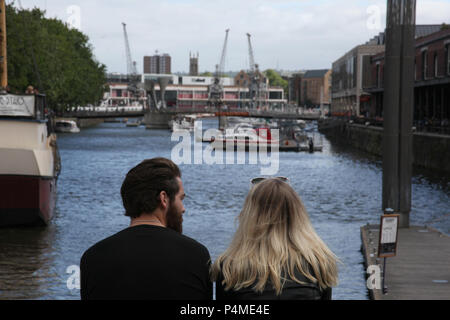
(340, 187)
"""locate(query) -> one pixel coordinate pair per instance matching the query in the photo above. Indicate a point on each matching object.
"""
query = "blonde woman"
(275, 253)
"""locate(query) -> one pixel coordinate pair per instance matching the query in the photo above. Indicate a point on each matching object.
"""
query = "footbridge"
(158, 119)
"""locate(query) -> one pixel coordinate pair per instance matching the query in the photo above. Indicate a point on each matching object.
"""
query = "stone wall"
(430, 151)
(87, 123)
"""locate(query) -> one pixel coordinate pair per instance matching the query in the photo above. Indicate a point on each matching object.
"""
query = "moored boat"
(134, 123)
(29, 162)
(29, 158)
(186, 122)
(253, 139)
(66, 126)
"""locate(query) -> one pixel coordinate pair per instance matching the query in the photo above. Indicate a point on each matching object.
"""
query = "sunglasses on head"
(261, 179)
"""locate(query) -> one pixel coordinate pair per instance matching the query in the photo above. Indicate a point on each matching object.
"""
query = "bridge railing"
(139, 111)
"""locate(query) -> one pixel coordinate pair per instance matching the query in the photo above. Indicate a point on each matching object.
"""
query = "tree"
(276, 80)
(206, 74)
(48, 55)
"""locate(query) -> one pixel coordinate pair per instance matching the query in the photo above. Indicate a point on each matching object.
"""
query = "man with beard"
(151, 259)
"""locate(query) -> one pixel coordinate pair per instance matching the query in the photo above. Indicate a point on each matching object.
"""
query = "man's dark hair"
(143, 184)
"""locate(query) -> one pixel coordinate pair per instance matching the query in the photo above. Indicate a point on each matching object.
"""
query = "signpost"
(17, 106)
(387, 246)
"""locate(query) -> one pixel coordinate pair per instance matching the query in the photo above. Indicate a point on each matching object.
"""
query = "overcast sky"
(286, 34)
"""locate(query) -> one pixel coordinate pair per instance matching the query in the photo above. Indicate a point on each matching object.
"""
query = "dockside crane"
(255, 83)
(131, 66)
(253, 66)
(216, 89)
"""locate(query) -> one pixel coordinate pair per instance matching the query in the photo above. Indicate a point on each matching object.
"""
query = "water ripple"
(341, 189)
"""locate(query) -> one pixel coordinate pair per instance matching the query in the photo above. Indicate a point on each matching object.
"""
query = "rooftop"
(422, 30)
(315, 73)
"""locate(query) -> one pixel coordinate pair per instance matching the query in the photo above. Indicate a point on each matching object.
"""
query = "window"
(415, 69)
(447, 47)
(424, 64)
(378, 75)
(436, 65)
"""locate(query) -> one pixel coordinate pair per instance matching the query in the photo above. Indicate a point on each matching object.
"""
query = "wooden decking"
(421, 270)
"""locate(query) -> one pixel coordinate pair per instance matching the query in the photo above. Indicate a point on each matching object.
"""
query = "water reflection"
(26, 262)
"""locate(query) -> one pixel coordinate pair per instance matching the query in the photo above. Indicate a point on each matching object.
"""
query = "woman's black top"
(291, 291)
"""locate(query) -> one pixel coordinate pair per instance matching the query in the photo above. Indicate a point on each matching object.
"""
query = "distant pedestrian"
(275, 253)
(30, 90)
(151, 259)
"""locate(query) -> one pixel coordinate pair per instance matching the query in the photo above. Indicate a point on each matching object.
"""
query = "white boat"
(243, 128)
(184, 123)
(29, 161)
(66, 126)
(245, 139)
(254, 122)
(134, 123)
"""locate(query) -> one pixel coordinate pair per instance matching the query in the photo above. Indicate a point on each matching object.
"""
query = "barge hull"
(26, 200)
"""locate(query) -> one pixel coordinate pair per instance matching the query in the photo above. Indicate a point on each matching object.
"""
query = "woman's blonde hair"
(275, 238)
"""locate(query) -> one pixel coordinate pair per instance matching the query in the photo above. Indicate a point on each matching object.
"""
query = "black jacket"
(291, 291)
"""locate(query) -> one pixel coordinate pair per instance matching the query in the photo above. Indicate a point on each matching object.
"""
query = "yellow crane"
(3, 53)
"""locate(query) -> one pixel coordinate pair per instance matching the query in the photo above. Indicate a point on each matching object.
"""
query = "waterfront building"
(315, 88)
(351, 74)
(294, 85)
(347, 79)
(242, 79)
(432, 83)
(192, 91)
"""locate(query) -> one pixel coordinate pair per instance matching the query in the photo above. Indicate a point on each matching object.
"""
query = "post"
(398, 107)
(3, 53)
(385, 289)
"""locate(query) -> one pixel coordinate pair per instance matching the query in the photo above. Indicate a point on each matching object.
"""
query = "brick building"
(432, 83)
(315, 88)
(352, 75)
(242, 79)
(294, 85)
(158, 64)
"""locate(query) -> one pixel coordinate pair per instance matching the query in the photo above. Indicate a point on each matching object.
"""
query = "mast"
(3, 52)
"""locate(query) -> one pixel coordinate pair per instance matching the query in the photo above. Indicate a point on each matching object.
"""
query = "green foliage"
(69, 74)
(275, 80)
(206, 74)
(445, 26)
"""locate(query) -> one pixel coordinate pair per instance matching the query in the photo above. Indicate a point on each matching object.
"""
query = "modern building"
(191, 91)
(351, 73)
(193, 64)
(347, 79)
(158, 64)
(432, 83)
